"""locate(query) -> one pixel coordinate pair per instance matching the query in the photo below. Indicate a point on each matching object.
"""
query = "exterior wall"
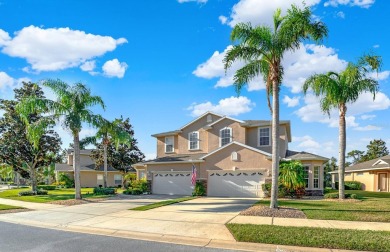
(84, 160)
(89, 179)
(367, 179)
(171, 167)
(238, 133)
(311, 164)
(252, 139)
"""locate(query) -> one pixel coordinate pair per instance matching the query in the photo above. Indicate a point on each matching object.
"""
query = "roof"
(196, 119)
(168, 133)
(82, 152)
(372, 164)
(181, 158)
(240, 144)
(303, 155)
(223, 118)
(91, 167)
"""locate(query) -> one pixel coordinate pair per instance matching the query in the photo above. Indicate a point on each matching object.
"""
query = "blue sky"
(159, 62)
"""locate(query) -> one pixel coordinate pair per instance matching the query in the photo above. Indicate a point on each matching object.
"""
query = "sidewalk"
(29, 205)
(356, 225)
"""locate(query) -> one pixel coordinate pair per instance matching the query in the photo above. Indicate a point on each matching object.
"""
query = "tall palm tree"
(71, 107)
(109, 132)
(262, 49)
(337, 90)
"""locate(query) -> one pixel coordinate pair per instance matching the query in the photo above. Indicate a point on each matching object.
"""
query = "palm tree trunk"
(342, 144)
(33, 179)
(275, 144)
(105, 165)
(76, 163)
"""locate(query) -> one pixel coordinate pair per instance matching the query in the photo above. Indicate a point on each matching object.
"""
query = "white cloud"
(309, 144)
(88, 66)
(306, 142)
(376, 46)
(231, 106)
(360, 3)
(311, 111)
(291, 102)
(223, 19)
(114, 68)
(380, 76)
(149, 156)
(367, 117)
(6, 81)
(187, 1)
(56, 48)
(298, 65)
(260, 12)
(340, 14)
(368, 128)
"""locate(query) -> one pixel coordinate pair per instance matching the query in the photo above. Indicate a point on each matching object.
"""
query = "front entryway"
(235, 184)
(382, 182)
(172, 183)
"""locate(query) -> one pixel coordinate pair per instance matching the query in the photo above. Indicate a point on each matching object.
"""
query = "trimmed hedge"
(351, 185)
(47, 187)
(32, 193)
(132, 192)
(336, 196)
(104, 191)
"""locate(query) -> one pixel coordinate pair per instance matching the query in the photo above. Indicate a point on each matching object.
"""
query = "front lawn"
(53, 195)
(162, 203)
(7, 207)
(312, 237)
(374, 206)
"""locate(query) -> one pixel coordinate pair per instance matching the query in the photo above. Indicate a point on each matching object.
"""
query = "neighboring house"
(232, 158)
(90, 176)
(374, 174)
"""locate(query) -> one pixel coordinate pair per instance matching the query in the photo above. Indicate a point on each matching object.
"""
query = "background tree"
(109, 133)
(123, 156)
(71, 107)
(15, 147)
(375, 149)
(355, 155)
(331, 165)
(262, 49)
(339, 89)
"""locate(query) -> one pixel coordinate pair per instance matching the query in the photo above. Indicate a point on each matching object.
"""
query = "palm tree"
(262, 49)
(109, 132)
(71, 107)
(339, 89)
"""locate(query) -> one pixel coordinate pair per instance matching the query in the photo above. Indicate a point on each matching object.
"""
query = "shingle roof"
(85, 152)
(254, 123)
(168, 133)
(295, 155)
(368, 165)
(175, 158)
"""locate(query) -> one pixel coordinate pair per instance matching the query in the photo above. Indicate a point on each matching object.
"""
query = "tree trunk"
(275, 144)
(105, 165)
(76, 165)
(342, 147)
(33, 179)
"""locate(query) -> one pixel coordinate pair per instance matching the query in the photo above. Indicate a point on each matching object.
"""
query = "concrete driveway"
(199, 218)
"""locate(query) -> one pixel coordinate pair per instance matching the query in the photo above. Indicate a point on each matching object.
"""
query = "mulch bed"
(72, 202)
(281, 212)
(14, 210)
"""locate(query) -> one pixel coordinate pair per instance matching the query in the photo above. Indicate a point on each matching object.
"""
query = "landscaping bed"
(281, 212)
(312, 237)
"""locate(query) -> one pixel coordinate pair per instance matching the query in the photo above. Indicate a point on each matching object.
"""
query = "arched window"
(234, 156)
(225, 136)
(209, 118)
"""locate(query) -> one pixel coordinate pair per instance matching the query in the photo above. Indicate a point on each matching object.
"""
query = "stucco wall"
(367, 179)
(238, 133)
(89, 179)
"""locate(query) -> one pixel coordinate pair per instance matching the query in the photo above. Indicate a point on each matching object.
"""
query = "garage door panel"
(172, 183)
(235, 184)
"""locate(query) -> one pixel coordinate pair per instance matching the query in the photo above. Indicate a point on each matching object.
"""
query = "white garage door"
(172, 183)
(235, 184)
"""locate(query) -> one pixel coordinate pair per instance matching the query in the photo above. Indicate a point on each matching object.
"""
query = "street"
(25, 238)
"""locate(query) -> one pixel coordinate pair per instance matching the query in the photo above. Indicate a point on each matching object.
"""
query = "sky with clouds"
(160, 62)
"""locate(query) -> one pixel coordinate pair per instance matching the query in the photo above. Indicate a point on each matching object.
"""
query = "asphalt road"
(25, 238)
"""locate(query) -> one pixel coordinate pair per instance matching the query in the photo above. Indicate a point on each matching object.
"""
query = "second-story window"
(169, 144)
(193, 140)
(225, 136)
(264, 136)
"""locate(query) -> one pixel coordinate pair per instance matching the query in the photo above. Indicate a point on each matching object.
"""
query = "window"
(316, 177)
(225, 136)
(360, 173)
(306, 176)
(264, 136)
(234, 156)
(169, 145)
(193, 140)
(118, 179)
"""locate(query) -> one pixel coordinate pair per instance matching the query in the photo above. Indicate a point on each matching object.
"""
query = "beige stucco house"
(232, 158)
(90, 175)
(374, 174)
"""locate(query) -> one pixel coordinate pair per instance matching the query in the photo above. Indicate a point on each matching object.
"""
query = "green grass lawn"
(53, 195)
(7, 207)
(374, 206)
(162, 203)
(312, 237)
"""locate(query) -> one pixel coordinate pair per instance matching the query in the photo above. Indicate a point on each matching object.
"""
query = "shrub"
(327, 190)
(199, 189)
(68, 182)
(41, 192)
(47, 187)
(282, 191)
(32, 193)
(353, 185)
(103, 191)
(141, 185)
(336, 196)
(132, 192)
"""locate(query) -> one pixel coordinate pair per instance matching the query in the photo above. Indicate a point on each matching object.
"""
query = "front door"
(382, 185)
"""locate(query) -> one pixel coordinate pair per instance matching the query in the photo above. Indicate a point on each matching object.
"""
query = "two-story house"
(232, 158)
(90, 175)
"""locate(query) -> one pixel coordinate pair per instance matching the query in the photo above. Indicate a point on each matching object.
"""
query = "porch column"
(333, 181)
